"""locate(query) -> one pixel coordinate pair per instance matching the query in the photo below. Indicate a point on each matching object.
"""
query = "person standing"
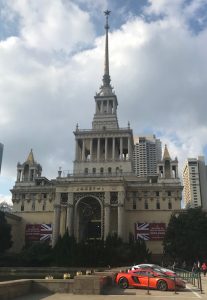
(204, 269)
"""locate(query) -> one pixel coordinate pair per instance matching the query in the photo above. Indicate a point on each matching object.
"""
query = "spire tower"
(106, 77)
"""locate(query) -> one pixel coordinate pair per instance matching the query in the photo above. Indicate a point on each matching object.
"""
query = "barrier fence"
(192, 277)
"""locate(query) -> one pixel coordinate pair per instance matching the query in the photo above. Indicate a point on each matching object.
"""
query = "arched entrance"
(89, 219)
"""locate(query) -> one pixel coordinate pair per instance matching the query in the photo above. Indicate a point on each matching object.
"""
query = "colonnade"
(26, 175)
(95, 149)
(106, 106)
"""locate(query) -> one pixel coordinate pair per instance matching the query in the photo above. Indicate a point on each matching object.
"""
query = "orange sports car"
(142, 278)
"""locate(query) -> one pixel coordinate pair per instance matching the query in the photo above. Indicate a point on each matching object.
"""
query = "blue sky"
(51, 65)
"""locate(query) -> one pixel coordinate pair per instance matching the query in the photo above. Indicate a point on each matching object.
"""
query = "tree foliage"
(185, 238)
(5, 234)
(113, 252)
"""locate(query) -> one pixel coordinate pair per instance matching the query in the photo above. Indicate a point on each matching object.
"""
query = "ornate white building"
(103, 195)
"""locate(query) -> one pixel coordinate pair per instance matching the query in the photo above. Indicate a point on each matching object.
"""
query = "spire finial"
(106, 77)
(30, 158)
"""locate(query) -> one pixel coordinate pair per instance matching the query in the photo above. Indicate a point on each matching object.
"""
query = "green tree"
(36, 254)
(5, 234)
(65, 252)
(185, 238)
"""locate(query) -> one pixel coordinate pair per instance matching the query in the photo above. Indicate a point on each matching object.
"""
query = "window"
(101, 170)
(63, 198)
(169, 205)
(157, 194)
(109, 170)
(94, 170)
(146, 205)
(134, 204)
(158, 205)
(22, 207)
(169, 193)
(86, 171)
(33, 205)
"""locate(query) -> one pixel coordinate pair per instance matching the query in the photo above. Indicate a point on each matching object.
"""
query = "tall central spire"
(106, 88)
(106, 77)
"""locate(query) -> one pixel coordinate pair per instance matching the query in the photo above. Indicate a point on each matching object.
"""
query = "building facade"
(147, 152)
(195, 182)
(103, 195)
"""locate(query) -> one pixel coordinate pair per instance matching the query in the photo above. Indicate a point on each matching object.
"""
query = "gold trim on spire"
(30, 158)
(166, 154)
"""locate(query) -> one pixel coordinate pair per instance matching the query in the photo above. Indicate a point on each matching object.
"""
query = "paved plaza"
(130, 294)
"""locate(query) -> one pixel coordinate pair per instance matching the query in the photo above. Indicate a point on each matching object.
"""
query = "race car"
(154, 267)
(144, 278)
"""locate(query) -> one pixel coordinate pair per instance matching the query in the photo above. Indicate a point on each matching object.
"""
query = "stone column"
(70, 214)
(129, 148)
(107, 215)
(107, 109)
(56, 224)
(91, 149)
(98, 150)
(63, 221)
(106, 148)
(76, 150)
(121, 148)
(101, 107)
(121, 214)
(19, 175)
(83, 150)
(113, 149)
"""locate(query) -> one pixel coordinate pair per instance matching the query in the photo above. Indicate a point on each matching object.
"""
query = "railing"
(67, 174)
(191, 277)
(106, 129)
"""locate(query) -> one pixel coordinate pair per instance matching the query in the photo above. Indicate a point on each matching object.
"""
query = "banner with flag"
(150, 231)
(38, 232)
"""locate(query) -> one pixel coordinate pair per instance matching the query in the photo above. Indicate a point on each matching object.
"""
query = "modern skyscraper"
(195, 182)
(1, 154)
(147, 153)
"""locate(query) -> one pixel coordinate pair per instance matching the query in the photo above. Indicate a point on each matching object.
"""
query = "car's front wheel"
(162, 285)
(123, 283)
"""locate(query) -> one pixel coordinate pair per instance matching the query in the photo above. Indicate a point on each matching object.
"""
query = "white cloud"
(52, 25)
(158, 69)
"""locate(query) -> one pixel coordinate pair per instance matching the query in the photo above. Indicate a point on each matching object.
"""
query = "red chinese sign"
(38, 232)
(150, 231)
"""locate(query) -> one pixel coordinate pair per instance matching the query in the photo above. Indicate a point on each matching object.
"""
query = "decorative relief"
(89, 188)
(78, 196)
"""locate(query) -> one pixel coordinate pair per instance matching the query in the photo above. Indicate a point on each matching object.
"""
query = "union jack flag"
(46, 232)
(142, 231)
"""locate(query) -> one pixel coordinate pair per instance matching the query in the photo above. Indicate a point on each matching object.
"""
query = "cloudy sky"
(51, 66)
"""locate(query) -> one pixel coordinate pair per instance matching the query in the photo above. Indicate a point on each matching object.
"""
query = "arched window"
(101, 170)
(109, 170)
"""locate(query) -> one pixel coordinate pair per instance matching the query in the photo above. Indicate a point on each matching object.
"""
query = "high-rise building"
(1, 154)
(147, 153)
(195, 182)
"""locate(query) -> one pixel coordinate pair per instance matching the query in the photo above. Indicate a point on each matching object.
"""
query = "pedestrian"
(195, 268)
(204, 268)
(184, 265)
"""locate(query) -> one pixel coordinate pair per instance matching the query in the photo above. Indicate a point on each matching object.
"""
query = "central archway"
(89, 224)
